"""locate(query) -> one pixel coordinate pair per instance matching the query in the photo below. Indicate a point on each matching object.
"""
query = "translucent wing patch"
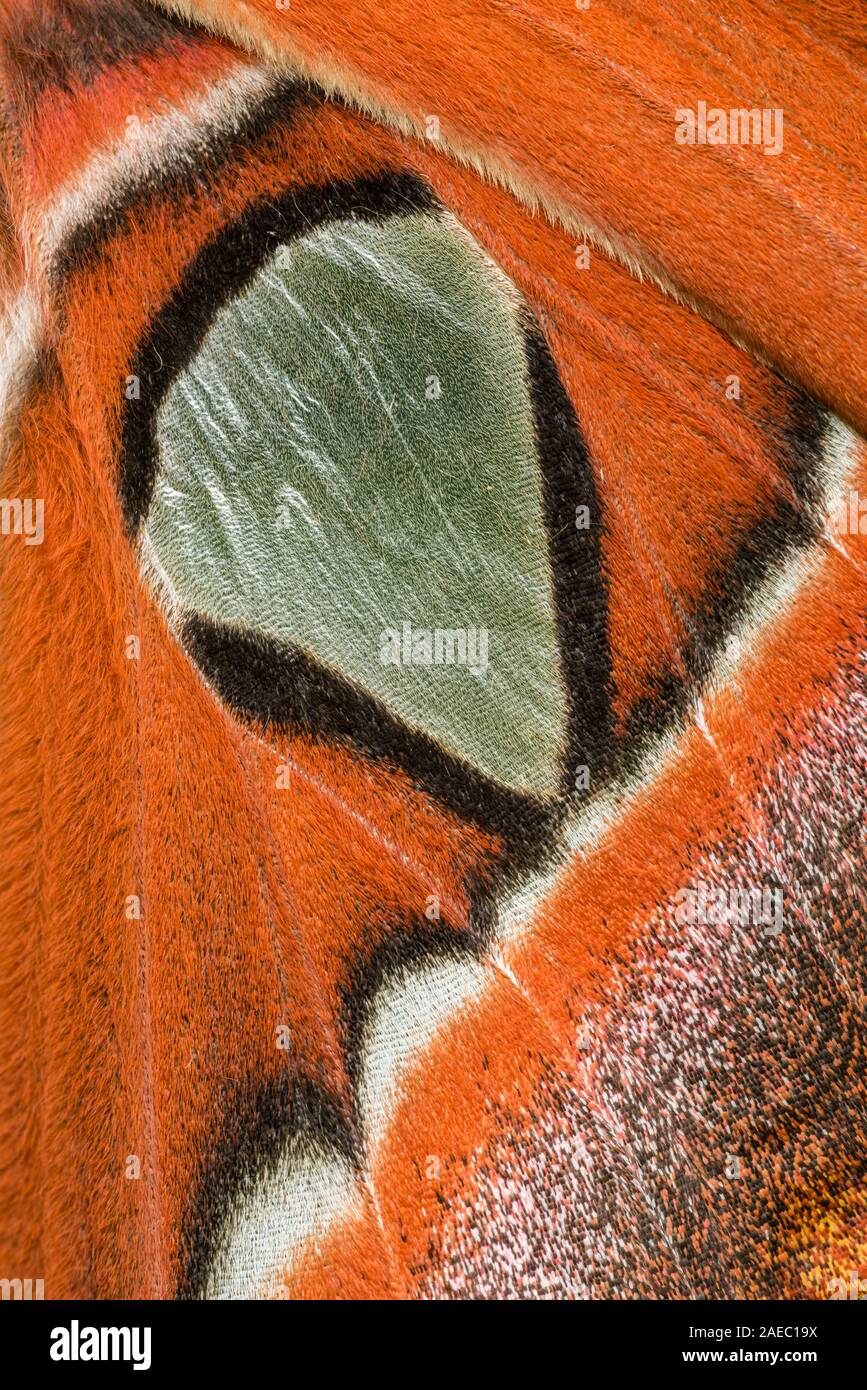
(349, 464)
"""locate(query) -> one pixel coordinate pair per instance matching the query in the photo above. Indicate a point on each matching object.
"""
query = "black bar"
(660, 1339)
